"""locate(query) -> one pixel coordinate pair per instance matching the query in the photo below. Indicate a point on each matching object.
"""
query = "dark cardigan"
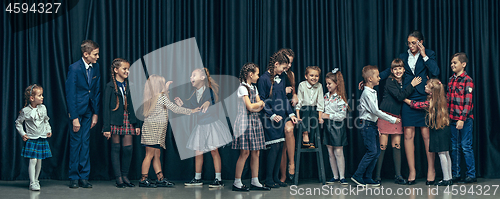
(394, 96)
(111, 117)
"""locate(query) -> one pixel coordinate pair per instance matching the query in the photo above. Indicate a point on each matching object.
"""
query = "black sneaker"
(469, 180)
(216, 183)
(194, 182)
(164, 183)
(146, 183)
(371, 182)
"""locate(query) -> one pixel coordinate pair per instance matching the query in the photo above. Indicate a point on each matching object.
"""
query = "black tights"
(121, 170)
(273, 163)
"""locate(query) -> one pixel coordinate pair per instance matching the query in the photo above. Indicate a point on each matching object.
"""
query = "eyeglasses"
(411, 43)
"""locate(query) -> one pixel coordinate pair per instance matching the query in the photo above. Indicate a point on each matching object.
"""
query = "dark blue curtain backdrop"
(333, 33)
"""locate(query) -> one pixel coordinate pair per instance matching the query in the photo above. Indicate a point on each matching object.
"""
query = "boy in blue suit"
(83, 100)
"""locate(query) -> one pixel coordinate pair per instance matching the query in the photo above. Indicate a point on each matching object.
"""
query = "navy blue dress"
(276, 104)
(409, 116)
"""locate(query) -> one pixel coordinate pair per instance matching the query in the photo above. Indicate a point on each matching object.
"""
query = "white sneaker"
(34, 186)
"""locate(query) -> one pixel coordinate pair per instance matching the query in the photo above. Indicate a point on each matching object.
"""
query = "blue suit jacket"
(79, 94)
(422, 69)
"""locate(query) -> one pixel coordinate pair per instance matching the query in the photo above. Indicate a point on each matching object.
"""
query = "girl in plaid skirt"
(248, 131)
(120, 122)
(34, 116)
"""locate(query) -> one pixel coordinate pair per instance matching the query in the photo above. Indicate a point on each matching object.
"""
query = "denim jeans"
(462, 139)
(369, 132)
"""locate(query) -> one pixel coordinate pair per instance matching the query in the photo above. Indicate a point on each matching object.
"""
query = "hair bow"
(335, 70)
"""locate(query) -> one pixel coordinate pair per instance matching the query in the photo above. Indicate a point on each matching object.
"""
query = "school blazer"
(422, 69)
(81, 95)
(111, 117)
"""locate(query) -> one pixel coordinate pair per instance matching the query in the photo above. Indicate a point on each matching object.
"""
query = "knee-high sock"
(396, 153)
(32, 170)
(339, 155)
(126, 159)
(449, 164)
(38, 169)
(271, 163)
(379, 164)
(444, 165)
(333, 162)
(115, 159)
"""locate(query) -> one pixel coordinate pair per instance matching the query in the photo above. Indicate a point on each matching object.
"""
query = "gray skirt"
(208, 137)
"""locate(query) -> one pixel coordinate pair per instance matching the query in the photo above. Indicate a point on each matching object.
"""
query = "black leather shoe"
(273, 185)
(164, 183)
(146, 183)
(469, 180)
(455, 179)
(291, 177)
(412, 182)
(84, 183)
(430, 182)
(243, 188)
(400, 180)
(73, 184)
(129, 184)
(256, 188)
(122, 185)
(282, 184)
(444, 183)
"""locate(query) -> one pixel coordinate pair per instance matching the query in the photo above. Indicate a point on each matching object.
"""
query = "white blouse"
(35, 120)
(335, 106)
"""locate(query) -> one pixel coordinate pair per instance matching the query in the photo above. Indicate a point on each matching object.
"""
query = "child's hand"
(167, 85)
(178, 101)
(398, 121)
(325, 116)
(49, 134)
(289, 89)
(416, 81)
(76, 125)
(196, 110)
(295, 100)
(107, 135)
(262, 103)
(294, 120)
(138, 131)
(94, 121)
(361, 85)
(407, 101)
(321, 121)
(204, 107)
(25, 137)
(460, 124)
(277, 118)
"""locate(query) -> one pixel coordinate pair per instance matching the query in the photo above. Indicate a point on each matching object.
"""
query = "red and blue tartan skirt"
(36, 148)
(125, 129)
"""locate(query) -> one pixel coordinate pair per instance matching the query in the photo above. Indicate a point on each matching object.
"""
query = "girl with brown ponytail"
(120, 122)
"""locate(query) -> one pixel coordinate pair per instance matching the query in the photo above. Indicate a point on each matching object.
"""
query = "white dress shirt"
(412, 60)
(35, 120)
(242, 90)
(368, 107)
(199, 93)
(335, 107)
(310, 95)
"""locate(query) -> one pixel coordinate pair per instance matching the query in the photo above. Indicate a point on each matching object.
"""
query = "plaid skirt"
(36, 148)
(125, 129)
(248, 132)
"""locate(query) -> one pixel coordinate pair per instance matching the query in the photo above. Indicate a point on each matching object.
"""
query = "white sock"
(237, 182)
(333, 162)
(197, 176)
(444, 165)
(449, 165)
(339, 155)
(218, 176)
(255, 182)
(38, 168)
(32, 170)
